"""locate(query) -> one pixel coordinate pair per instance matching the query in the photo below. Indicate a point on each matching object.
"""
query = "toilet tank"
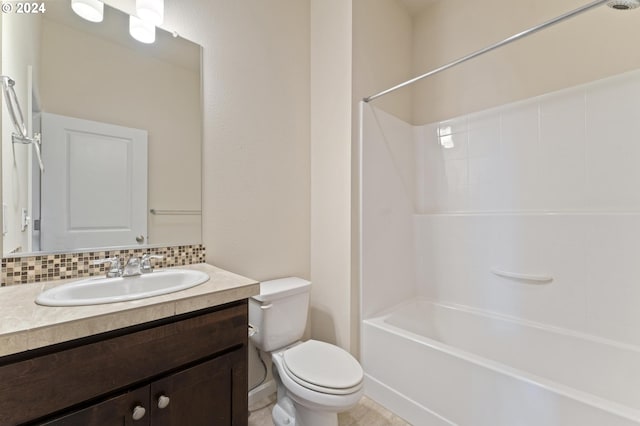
(279, 312)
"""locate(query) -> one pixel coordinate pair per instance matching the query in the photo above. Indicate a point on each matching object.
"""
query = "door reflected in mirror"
(99, 186)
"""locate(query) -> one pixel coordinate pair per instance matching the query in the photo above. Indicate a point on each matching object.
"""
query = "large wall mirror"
(120, 124)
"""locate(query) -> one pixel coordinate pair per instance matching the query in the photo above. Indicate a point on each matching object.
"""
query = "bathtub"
(436, 364)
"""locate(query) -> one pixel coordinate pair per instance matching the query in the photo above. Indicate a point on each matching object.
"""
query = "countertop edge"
(35, 332)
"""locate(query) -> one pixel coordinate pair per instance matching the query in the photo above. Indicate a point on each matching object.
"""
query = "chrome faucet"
(115, 269)
(145, 262)
(135, 265)
(139, 265)
(132, 267)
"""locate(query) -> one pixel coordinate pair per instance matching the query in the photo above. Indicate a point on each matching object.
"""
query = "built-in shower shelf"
(531, 278)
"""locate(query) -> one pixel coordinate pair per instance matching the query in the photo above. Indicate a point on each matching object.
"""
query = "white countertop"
(25, 325)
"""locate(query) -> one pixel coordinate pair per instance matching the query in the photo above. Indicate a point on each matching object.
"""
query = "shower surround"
(527, 213)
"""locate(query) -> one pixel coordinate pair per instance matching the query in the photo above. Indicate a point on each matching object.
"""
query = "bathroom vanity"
(180, 360)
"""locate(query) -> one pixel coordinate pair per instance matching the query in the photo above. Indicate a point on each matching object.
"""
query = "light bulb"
(91, 10)
(150, 11)
(144, 32)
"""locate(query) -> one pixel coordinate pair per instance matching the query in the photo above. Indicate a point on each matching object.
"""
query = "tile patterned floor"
(366, 413)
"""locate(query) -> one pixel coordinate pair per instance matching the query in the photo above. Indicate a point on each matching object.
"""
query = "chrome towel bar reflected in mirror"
(175, 212)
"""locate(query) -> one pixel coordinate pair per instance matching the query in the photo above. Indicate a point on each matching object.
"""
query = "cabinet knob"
(163, 401)
(138, 412)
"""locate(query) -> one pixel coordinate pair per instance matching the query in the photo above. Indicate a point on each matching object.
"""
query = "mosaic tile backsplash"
(60, 266)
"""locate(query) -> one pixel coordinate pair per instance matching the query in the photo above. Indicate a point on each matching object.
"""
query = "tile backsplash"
(60, 266)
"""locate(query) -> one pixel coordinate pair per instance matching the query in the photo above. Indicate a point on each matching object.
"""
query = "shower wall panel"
(548, 187)
(388, 182)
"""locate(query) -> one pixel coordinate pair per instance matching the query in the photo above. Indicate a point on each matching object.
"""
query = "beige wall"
(382, 54)
(256, 131)
(594, 45)
(165, 101)
(277, 196)
(331, 24)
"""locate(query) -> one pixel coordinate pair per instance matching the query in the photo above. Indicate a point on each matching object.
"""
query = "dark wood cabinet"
(116, 411)
(187, 371)
(199, 396)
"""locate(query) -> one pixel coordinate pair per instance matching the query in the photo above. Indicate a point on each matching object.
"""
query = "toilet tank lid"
(282, 287)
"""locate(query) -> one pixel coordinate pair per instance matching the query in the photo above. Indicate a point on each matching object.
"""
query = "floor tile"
(366, 413)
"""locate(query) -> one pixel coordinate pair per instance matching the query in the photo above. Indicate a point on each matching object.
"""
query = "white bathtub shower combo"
(484, 369)
(500, 258)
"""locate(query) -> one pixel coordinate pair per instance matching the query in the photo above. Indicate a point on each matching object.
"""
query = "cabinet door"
(117, 411)
(202, 395)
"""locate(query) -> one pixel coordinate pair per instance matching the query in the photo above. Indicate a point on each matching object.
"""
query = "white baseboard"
(264, 391)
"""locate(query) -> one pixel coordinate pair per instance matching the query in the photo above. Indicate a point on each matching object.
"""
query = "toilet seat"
(323, 367)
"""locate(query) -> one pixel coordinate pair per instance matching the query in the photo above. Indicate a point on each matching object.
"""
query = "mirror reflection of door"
(94, 189)
(65, 65)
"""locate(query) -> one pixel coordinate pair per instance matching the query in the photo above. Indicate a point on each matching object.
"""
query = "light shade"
(91, 10)
(150, 11)
(144, 32)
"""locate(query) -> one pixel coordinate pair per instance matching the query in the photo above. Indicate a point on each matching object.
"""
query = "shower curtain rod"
(506, 41)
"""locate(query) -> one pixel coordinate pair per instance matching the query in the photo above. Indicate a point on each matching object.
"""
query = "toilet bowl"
(315, 380)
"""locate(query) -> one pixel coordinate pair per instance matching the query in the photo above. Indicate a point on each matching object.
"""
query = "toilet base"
(309, 417)
(288, 413)
(281, 417)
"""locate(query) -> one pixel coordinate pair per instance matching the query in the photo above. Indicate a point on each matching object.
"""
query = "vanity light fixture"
(91, 10)
(144, 32)
(142, 27)
(150, 11)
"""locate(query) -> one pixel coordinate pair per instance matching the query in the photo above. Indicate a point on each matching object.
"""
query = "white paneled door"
(94, 188)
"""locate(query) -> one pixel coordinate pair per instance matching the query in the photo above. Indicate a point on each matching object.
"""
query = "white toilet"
(316, 380)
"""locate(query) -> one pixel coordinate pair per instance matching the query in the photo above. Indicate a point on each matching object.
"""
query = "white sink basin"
(94, 291)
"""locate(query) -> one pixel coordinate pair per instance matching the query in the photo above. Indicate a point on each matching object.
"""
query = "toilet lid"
(323, 365)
